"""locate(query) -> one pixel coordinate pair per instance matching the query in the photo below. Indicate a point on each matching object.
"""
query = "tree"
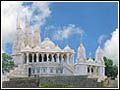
(110, 69)
(7, 62)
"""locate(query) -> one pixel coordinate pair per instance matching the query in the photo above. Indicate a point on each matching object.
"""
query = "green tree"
(7, 62)
(110, 69)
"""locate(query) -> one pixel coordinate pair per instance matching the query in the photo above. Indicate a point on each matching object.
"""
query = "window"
(33, 70)
(38, 70)
(51, 70)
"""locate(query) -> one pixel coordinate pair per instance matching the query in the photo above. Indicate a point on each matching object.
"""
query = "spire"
(36, 28)
(17, 23)
(26, 21)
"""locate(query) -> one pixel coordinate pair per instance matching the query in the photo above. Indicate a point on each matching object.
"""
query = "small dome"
(99, 50)
(67, 48)
(47, 43)
(27, 49)
(90, 60)
(37, 49)
(57, 48)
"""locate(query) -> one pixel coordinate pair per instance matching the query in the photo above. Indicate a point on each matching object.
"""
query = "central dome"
(47, 43)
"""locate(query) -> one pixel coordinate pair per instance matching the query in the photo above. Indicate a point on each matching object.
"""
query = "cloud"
(66, 31)
(101, 38)
(111, 47)
(37, 13)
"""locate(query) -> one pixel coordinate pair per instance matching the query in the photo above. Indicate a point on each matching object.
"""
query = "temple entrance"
(29, 72)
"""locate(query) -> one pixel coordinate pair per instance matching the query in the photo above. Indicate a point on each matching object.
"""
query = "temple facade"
(35, 57)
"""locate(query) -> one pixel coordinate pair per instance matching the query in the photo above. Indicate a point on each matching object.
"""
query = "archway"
(30, 57)
(29, 72)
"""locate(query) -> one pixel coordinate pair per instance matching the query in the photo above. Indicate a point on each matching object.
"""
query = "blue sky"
(94, 18)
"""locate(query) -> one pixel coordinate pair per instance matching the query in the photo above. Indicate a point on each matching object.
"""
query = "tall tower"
(81, 55)
(80, 66)
(99, 60)
(99, 56)
(28, 33)
(17, 38)
(37, 38)
(16, 53)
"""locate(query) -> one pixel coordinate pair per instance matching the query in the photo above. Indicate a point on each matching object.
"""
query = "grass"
(56, 86)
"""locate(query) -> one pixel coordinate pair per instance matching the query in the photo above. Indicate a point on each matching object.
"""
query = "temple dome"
(90, 60)
(27, 49)
(37, 49)
(99, 50)
(67, 48)
(57, 48)
(47, 43)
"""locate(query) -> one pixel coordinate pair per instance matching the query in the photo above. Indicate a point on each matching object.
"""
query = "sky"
(92, 23)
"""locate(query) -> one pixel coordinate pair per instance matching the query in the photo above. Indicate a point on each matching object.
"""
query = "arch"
(50, 57)
(45, 58)
(25, 58)
(65, 58)
(88, 69)
(92, 70)
(35, 58)
(40, 58)
(30, 57)
(54, 56)
(29, 72)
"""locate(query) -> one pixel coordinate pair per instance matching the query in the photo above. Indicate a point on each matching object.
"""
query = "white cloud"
(9, 12)
(111, 47)
(66, 31)
(101, 37)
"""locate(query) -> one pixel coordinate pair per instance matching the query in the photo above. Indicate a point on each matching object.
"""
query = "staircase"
(70, 67)
(17, 72)
(75, 81)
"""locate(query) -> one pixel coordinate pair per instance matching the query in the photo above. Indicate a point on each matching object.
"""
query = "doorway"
(29, 72)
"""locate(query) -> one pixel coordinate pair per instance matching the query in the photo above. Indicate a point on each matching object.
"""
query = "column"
(42, 57)
(72, 59)
(27, 57)
(90, 70)
(67, 58)
(47, 57)
(37, 57)
(58, 57)
(23, 58)
(61, 58)
(52, 58)
(32, 57)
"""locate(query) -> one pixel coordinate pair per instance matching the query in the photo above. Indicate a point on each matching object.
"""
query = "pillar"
(61, 58)
(52, 58)
(58, 57)
(37, 57)
(23, 58)
(42, 57)
(47, 57)
(32, 57)
(90, 70)
(27, 57)
(68, 58)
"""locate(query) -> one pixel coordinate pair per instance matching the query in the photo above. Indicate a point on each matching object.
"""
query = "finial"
(17, 23)
(26, 21)
(46, 33)
(90, 54)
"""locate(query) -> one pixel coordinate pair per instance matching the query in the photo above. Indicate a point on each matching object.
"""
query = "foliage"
(7, 62)
(110, 69)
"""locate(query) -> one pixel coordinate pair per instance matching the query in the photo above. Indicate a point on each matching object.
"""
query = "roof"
(99, 50)
(67, 48)
(47, 43)
(27, 49)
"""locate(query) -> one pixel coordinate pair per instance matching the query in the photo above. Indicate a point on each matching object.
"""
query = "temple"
(35, 57)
